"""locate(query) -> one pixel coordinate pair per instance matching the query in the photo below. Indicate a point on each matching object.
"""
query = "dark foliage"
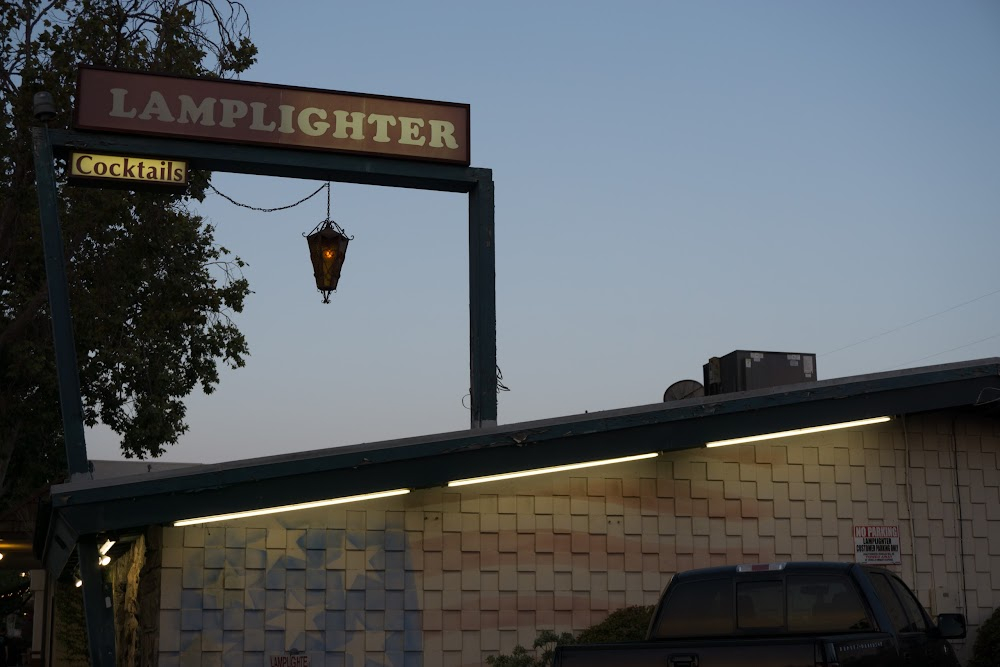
(986, 650)
(628, 624)
(623, 625)
(151, 292)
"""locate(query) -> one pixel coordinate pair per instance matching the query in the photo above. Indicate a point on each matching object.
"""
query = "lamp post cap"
(44, 107)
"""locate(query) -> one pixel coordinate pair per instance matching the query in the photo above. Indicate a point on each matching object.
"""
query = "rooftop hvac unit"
(743, 370)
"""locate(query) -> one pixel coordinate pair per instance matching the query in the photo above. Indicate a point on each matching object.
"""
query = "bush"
(628, 624)
(986, 651)
(624, 625)
(520, 657)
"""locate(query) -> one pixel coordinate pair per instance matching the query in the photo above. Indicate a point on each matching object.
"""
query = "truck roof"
(765, 568)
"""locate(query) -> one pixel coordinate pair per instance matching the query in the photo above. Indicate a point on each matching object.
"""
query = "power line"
(910, 324)
(938, 354)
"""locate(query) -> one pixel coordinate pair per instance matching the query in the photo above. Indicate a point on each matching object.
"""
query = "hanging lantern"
(327, 249)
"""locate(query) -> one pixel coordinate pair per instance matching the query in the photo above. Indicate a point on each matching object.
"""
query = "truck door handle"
(685, 660)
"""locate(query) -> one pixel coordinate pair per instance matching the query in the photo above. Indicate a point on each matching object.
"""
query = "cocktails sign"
(133, 172)
(253, 113)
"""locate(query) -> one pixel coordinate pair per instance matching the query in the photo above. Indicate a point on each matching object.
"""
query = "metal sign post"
(267, 161)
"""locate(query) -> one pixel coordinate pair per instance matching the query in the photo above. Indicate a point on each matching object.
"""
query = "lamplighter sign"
(877, 545)
(254, 113)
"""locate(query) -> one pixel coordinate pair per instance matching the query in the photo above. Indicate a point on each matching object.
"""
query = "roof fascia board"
(170, 502)
(525, 433)
(60, 542)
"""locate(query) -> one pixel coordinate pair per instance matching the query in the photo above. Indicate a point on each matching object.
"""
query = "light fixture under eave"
(79, 582)
(542, 471)
(106, 547)
(797, 431)
(290, 508)
(103, 560)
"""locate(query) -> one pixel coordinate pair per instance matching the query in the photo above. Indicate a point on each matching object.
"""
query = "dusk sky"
(674, 181)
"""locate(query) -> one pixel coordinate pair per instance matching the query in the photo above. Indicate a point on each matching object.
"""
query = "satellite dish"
(682, 389)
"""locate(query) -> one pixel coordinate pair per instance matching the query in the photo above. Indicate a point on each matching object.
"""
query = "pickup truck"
(783, 615)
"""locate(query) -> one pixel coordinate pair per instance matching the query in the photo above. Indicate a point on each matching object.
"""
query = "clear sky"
(674, 181)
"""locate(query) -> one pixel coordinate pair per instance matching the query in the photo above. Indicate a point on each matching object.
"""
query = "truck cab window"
(914, 611)
(821, 603)
(697, 609)
(760, 605)
(893, 606)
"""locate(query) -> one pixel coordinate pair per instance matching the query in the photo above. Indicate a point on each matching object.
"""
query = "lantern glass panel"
(327, 250)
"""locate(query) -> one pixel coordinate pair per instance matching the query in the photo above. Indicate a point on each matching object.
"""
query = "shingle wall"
(449, 576)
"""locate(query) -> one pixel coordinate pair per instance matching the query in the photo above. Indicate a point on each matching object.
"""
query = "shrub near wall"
(986, 651)
(623, 625)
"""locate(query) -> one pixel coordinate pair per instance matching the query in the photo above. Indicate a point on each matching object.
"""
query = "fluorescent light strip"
(542, 471)
(290, 508)
(798, 431)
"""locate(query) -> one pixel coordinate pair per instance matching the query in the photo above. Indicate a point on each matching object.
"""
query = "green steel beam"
(100, 620)
(283, 162)
(249, 160)
(482, 309)
(62, 324)
(98, 607)
(296, 163)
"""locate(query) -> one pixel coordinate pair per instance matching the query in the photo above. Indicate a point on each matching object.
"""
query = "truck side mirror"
(951, 626)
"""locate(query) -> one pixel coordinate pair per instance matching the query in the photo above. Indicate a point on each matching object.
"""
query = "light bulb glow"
(542, 471)
(79, 583)
(797, 431)
(106, 547)
(290, 508)
(104, 560)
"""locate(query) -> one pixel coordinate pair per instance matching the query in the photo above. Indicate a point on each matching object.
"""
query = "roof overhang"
(84, 507)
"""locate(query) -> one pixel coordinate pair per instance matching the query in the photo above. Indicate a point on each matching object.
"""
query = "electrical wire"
(910, 324)
(500, 385)
(980, 401)
(961, 519)
(909, 502)
(938, 354)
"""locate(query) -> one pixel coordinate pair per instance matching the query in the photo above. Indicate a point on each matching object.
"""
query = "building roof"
(106, 469)
(90, 507)
(17, 529)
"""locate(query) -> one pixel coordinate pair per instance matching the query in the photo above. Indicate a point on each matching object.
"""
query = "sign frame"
(88, 118)
(266, 160)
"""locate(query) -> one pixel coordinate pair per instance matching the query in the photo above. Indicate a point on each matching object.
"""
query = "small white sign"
(877, 545)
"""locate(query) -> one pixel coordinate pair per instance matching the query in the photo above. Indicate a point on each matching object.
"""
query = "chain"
(277, 208)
